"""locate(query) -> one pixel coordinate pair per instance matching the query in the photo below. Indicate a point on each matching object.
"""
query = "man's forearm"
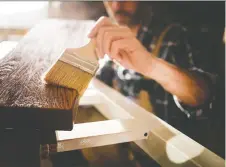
(189, 88)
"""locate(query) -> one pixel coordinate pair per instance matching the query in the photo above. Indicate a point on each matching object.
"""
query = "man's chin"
(122, 21)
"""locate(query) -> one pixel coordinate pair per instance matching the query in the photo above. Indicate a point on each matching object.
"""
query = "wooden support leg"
(19, 148)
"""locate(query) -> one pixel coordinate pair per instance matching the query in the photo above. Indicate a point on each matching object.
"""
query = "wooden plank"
(25, 100)
(13, 31)
(165, 144)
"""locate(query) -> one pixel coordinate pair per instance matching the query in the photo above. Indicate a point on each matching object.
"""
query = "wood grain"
(25, 99)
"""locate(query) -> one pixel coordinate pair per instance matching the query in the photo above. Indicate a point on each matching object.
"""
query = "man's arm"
(190, 88)
(120, 44)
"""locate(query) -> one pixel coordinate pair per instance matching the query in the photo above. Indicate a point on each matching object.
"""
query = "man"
(121, 44)
(180, 89)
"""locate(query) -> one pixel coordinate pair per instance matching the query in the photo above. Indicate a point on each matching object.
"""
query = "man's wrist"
(151, 67)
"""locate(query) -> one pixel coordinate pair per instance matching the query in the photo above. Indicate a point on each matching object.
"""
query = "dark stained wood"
(25, 100)
(20, 148)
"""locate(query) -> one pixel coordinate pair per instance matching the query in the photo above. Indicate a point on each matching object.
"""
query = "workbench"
(46, 115)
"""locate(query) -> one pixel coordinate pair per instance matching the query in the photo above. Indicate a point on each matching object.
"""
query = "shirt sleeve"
(202, 110)
(192, 58)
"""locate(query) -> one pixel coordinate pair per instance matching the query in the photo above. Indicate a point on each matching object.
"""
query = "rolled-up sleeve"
(189, 54)
(203, 109)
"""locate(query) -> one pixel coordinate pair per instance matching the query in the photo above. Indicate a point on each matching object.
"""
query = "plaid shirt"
(175, 49)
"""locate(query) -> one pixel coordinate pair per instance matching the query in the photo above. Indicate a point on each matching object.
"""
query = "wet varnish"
(26, 101)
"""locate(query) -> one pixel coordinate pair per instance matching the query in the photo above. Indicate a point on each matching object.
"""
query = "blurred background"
(17, 17)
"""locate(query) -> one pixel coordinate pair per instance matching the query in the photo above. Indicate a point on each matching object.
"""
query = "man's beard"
(131, 21)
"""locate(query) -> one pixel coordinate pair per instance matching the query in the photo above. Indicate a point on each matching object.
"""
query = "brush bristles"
(69, 76)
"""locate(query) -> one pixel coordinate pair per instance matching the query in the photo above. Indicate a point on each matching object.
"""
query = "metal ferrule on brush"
(77, 61)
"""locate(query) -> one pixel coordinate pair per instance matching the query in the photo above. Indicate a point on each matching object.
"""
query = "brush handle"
(84, 57)
(86, 52)
(110, 12)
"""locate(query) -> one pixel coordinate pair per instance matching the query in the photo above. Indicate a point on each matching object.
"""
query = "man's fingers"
(125, 59)
(98, 53)
(121, 51)
(115, 49)
(105, 34)
(99, 39)
(102, 32)
(102, 21)
(113, 35)
(125, 44)
(122, 58)
(109, 38)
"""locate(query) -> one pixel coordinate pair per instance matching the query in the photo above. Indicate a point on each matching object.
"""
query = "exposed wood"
(13, 31)
(25, 99)
(168, 146)
(100, 133)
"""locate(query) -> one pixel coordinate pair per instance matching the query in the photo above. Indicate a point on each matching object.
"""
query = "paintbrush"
(75, 68)
(110, 12)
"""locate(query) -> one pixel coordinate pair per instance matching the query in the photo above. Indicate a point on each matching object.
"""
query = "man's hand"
(120, 44)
